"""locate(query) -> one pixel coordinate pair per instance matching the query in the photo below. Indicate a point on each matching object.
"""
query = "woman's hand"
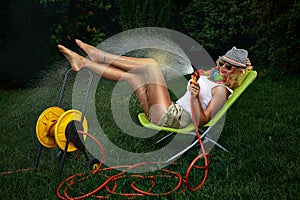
(248, 62)
(194, 88)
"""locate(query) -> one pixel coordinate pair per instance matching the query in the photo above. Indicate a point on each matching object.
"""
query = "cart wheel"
(45, 126)
(94, 163)
(61, 126)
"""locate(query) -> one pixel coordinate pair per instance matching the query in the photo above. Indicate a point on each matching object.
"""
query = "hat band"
(233, 61)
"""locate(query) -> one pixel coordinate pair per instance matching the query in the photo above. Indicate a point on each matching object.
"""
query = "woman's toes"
(75, 60)
(79, 43)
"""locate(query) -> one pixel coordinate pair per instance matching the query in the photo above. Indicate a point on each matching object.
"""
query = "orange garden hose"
(16, 171)
(70, 182)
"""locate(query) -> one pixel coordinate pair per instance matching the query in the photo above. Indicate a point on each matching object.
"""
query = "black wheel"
(94, 163)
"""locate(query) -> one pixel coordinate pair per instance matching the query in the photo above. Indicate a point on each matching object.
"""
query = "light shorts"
(175, 117)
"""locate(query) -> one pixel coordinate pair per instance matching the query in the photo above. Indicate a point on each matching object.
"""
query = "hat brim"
(236, 64)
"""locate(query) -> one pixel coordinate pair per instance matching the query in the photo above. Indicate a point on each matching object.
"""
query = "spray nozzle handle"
(195, 76)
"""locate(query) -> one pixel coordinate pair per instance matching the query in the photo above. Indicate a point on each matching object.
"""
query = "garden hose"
(63, 190)
(69, 183)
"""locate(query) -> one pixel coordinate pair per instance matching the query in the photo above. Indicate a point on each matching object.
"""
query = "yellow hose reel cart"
(56, 127)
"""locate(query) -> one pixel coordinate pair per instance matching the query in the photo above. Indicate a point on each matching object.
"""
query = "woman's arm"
(199, 114)
(219, 98)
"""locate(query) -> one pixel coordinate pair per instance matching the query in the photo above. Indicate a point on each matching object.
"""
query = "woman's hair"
(232, 80)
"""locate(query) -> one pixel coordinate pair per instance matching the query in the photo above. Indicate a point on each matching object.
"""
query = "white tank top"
(205, 94)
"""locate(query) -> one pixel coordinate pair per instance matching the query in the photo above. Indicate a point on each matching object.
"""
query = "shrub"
(267, 29)
(217, 25)
(277, 44)
(148, 13)
(24, 41)
(89, 20)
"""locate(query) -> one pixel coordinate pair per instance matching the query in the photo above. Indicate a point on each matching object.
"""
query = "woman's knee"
(151, 68)
(134, 80)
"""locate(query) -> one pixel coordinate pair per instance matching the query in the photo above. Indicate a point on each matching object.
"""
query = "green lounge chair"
(245, 81)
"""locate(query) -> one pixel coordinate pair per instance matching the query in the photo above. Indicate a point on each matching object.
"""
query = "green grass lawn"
(261, 131)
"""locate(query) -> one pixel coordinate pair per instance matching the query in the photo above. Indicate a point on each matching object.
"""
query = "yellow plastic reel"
(61, 125)
(45, 126)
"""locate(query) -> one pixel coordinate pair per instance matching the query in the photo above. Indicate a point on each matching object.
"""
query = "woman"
(207, 95)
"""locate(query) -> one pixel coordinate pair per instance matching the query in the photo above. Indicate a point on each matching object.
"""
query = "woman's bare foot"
(75, 59)
(95, 54)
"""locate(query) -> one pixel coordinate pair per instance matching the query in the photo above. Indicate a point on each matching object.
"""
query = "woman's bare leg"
(158, 98)
(110, 73)
(123, 62)
(153, 97)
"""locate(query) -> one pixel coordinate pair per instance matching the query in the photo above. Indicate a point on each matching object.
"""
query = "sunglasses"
(228, 66)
